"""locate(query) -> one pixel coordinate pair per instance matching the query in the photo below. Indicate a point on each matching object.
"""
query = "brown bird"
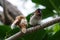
(21, 22)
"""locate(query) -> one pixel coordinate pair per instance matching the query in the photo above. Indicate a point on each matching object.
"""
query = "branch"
(32, 29)
(7, 18)
(10, 12)
(1, 16)
(13, 11)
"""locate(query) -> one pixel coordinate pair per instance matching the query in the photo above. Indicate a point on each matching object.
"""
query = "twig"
(32, 29)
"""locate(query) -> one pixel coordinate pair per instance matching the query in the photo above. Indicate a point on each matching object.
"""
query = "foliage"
(52, 33)
(5, 31)
(50, 5)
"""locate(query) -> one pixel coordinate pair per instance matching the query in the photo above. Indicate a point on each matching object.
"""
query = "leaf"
(46, 13)
(3, 30)
(6, 31)
(56, 36)
(57, 3)
(12, 32)
(56, 27)
(45, 3)
(50, 6)
(28, 19)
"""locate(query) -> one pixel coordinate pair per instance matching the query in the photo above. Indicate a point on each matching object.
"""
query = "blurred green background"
(50, 33)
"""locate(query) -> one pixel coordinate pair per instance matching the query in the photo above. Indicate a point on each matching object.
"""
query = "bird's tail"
(23, 30)
(13, 24)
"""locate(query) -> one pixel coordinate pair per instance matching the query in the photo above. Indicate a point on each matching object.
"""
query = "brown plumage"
(21, 22)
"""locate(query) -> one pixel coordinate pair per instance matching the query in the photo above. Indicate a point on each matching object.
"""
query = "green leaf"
(28, 17)
(56, 27)
(3, 30)
(57, 3)
(56, 36)
(46, 13)
(45, 3)
(6, 31)
(12, 32)
(50, 6)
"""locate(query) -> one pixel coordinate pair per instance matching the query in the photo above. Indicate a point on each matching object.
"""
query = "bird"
(36, 18)
(21, 21)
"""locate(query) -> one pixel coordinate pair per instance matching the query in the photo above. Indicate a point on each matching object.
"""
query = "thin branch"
(32, 29)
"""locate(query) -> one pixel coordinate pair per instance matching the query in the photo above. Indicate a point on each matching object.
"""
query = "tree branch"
(13, 11)
(7, 18)
(10, 12)
(32, 29)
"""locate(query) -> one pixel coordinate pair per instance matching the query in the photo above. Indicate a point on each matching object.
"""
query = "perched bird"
(35, 18)
(21, 22)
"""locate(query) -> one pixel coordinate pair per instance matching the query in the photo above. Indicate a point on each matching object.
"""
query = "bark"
(1, 16)
(11, 9)
(33, 29)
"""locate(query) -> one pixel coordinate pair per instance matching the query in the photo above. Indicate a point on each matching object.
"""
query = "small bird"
(35, 18)
(21, 22)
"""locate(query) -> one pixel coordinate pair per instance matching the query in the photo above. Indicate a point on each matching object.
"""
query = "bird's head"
(38, 12)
